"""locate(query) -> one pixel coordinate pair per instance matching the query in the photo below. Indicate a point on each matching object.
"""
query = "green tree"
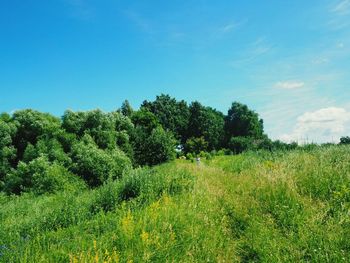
(51, 148)
(108, 130)
(345, 140)
(40, 176)
(145, 120)
(7, 150)
(241, 144)
(243, 122)
(208, 123)
(126, 109)
(31, 126)
(172, 115)
(159, 147)
(152, 145)
(196, 145)
(96, 165)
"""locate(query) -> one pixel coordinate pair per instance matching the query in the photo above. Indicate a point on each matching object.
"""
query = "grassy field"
(253, 207)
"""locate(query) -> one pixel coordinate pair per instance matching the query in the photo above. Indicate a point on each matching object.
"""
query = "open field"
(254, 207)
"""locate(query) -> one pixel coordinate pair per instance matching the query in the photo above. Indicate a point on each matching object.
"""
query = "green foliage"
(107, 129)
(50, 148)
(243, 122)
(126, 109)
(155, 147)
(241, 144)
(31, 126)
(196, 145)
(256, 206)
(95, 165)
(40, 176)
(345, 140)
(144, 120)
(172, 115)
(208, 123)
(7, 150)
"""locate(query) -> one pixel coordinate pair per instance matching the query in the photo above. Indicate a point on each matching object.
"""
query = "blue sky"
(288, 60)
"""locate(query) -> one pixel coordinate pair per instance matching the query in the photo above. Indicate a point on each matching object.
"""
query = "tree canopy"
(39, 150)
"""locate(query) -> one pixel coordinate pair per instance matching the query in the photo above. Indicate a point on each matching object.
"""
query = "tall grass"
(255, 207)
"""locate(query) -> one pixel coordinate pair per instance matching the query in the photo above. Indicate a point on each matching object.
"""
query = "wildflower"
(144, 236)
(127, 223)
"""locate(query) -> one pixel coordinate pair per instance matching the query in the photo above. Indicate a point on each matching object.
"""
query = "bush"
(196, 145)
(40, 176)
(95, 165)
(154, 148)
(241, 144)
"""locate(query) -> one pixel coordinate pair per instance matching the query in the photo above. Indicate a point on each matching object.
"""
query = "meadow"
(283, 206)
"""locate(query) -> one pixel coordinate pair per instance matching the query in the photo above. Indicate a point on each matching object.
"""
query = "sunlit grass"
(254, 207)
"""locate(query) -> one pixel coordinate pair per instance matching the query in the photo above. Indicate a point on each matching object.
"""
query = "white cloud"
(323, 125)
(290, 84)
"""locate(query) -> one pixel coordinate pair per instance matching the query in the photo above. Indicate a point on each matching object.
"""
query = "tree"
(108, 130)
(51, 148)
(172, 115)
(241, 144)
(32, 125)
(159, 147)
(208, 123)
(243, 122)
(152, 145)
(145, 120)
(345, 140)
(96, 165)
(196, 145)
(7, 150)
(40, 176)
(126, 109)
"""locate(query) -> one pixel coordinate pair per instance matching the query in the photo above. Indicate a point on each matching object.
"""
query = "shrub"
(155, 147)
(40, 176)
(95, 165)
(196, 145)
(240, 144)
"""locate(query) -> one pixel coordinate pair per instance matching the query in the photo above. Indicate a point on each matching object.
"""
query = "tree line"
(42, 153)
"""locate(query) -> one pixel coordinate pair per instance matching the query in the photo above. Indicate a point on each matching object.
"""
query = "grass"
(254, 207)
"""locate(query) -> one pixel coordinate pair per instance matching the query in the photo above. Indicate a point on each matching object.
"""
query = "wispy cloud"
(339, 12)
(290, 84)
(342, 7)
(254, 50)
(229, 27)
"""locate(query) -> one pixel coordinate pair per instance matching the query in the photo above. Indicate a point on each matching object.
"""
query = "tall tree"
(31, 126)
(7, 150)
(172, 115)
(152, 145)
(206, 122)
(241, 121)
(126, 108)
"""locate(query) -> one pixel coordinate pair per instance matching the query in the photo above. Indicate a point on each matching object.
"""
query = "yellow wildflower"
(127, 223)
(144, 236)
